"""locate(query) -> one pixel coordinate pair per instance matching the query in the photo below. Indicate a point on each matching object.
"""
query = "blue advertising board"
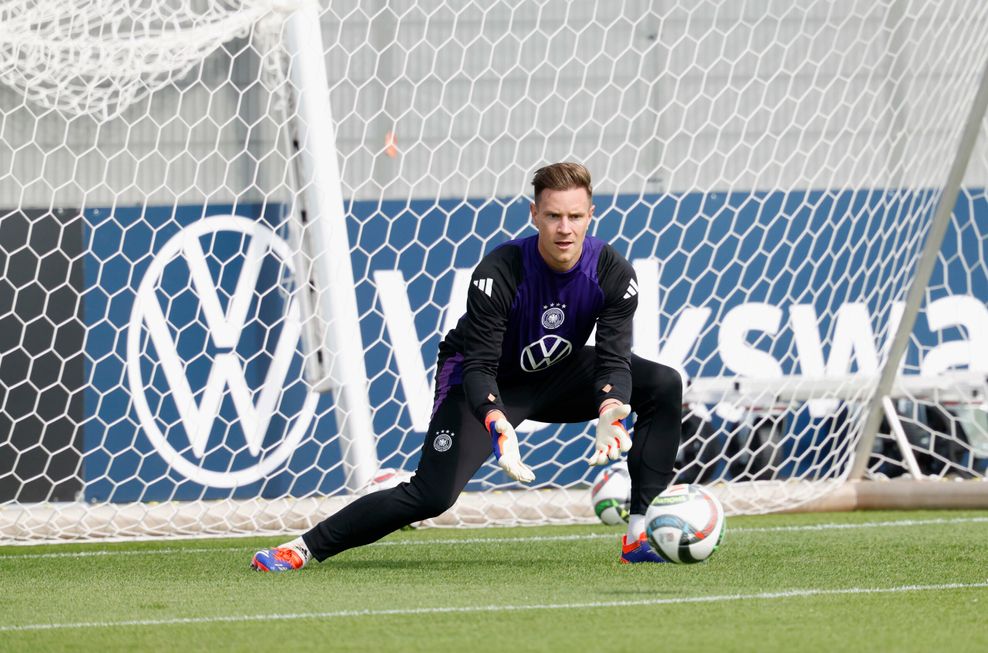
(194, 357)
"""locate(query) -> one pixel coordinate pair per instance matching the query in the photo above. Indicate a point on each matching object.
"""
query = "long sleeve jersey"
(523, 318)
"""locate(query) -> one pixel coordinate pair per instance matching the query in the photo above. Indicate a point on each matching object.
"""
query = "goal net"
(234, 233)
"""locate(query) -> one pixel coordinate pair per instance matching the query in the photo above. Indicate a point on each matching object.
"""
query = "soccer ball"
(385, 479)
(611, 494)
(685, 524)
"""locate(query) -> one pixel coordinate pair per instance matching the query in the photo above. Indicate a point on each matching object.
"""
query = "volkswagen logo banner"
(211, 356)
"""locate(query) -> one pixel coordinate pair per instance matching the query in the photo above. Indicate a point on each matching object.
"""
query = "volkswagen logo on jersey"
(553, 316)
(213, 353)
(545, 352)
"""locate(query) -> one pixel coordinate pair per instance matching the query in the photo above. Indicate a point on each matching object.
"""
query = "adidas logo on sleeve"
(630, 292)
(485, 285)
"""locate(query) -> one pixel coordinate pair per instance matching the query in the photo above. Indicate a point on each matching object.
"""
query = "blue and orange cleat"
(638, 551)
(279, 559)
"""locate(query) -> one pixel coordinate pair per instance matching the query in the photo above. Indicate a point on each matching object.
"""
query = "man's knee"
(435, 506)
(430, 502)
(661, 382)
(670, 383)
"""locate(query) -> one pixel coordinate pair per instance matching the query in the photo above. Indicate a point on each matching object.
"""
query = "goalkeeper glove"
(505, 445)
(612, 438)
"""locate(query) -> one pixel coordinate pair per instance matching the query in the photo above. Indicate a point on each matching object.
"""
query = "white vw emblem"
(157, 312)
(546, 351)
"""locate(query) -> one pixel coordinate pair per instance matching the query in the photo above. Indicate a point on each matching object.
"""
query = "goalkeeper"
(519, 353)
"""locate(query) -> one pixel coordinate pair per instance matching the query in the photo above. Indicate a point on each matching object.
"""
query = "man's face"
(562, 218)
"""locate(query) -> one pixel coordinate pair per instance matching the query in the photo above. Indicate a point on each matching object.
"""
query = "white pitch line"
(786, 594)
(867, 524)
(512, 540)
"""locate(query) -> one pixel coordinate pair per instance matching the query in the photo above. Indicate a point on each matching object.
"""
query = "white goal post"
(232, 235)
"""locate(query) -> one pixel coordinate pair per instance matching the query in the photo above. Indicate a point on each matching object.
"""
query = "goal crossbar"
(961, 387)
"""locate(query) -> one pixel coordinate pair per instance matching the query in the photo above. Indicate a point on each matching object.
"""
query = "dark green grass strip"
(625, 608)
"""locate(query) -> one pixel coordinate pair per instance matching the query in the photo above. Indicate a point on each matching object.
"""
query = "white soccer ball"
(685, 524)
(611, 494)
(385, 479)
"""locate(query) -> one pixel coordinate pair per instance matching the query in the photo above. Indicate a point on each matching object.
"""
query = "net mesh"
(98, 57)
(770, 169)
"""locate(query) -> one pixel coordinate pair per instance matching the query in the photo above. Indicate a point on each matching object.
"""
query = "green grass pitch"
(868, 581)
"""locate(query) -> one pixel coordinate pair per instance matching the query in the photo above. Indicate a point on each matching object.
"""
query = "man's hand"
(612, 438)
(505, 445)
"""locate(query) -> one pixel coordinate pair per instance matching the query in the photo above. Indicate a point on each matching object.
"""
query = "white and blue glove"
(612, 438)
(504, 442)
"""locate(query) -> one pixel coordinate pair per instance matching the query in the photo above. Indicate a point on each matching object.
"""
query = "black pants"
(457, 444)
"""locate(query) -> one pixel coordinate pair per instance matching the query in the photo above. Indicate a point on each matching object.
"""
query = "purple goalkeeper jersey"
(523, 319)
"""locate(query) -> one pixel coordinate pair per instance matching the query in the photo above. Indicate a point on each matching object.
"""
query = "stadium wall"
(688, 108)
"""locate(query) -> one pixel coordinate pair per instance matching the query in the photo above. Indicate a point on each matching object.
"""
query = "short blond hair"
(561, 176)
